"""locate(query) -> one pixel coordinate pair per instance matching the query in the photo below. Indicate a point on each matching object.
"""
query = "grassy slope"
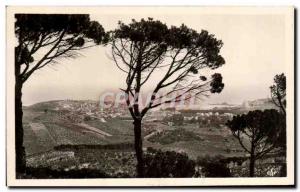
(120, 130)
(197, 141)
(66, 132)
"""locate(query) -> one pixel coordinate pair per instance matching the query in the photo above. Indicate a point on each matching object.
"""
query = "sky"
(253, 50)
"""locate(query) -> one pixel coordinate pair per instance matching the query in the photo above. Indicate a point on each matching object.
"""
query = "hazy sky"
(253, 50)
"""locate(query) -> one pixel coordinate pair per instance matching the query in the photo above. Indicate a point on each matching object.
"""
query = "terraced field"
(43, 131)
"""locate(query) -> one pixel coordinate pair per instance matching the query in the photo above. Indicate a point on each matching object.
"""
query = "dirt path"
(153, 133)
(94, 130)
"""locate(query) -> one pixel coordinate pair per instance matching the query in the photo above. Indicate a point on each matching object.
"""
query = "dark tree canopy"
(278, 92)
(173, 38)
(258, 129)
(34, 25)
(54, 36)
(259, 133)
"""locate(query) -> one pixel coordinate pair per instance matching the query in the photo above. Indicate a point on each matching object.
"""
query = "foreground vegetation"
(119, 162)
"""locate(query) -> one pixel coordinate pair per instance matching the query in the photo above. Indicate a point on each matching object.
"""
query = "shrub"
(87, 118)
(160, 164)
(216, 169)
(169, 137)
(283, 172)
(48, 173)
(213, 167)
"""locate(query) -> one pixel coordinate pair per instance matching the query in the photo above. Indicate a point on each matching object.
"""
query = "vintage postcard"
(150, 96)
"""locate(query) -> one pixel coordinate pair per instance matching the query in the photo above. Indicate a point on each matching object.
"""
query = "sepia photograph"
(150, 96)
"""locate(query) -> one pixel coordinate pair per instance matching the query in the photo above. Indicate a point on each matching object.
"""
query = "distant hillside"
(42, 105)
(259, 104)
(55, 104)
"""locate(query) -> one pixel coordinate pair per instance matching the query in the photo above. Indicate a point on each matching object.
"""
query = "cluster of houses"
(175, 117)
(79, 111)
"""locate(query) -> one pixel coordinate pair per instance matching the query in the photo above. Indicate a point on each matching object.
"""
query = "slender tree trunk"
(252, 162)
(138, 147)
(252, 167)
(20, 150)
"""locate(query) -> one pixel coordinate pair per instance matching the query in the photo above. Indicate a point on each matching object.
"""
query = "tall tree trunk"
(19, 148)
(252, 162)
(138, 144)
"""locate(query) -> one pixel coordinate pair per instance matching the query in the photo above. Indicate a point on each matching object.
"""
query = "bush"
(87, 118)
(213, 167)
(48, 173)
(216, 169)
(160, 164)
(116, 146)
(169, 137)
(283, 172)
